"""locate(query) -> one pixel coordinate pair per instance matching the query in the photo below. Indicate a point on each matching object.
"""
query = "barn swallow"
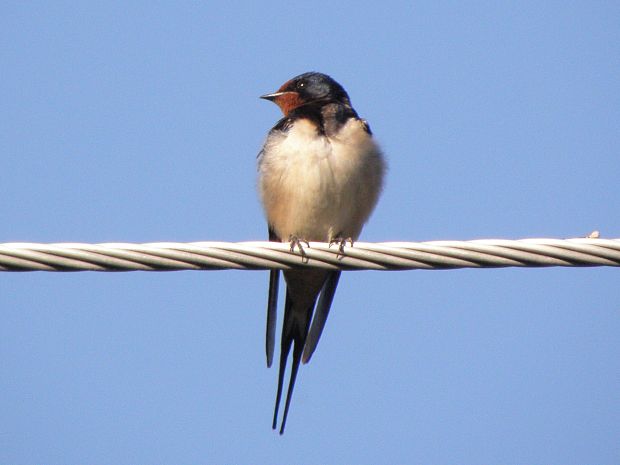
(320, 176)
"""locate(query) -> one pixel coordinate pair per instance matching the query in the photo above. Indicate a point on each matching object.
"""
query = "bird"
(320, 174)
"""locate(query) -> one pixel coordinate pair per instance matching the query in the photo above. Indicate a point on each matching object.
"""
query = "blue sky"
(140, 121)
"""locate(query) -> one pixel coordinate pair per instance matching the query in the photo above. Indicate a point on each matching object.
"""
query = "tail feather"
(272, 307)
(285, 348)
(297, 351)
(320, 315)
(294, 331)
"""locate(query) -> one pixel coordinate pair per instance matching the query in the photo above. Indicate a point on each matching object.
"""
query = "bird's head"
(307, 88)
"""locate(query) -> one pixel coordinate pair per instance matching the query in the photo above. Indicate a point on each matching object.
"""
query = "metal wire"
(170, 256)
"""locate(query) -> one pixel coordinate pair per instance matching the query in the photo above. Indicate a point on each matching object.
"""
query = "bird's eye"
(301, 84)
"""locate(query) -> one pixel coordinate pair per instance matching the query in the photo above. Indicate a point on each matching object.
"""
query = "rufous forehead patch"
(284, 87)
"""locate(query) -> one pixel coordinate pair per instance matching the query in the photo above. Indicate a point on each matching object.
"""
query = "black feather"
(294, 331)
(320, 315)
(272, 306)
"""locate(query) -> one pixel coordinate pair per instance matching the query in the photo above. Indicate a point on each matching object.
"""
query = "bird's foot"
(296, 242)
(341, 241)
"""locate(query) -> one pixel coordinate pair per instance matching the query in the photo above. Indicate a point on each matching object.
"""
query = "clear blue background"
(139, 121)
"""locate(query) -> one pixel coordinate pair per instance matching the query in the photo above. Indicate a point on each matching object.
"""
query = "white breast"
(317, 187)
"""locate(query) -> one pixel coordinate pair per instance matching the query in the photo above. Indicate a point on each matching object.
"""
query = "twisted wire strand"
(170, 256)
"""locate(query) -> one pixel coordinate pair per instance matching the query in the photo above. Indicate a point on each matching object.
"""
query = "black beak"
(272, 97)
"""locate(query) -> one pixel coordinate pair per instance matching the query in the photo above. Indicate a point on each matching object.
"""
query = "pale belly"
(319, 189)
